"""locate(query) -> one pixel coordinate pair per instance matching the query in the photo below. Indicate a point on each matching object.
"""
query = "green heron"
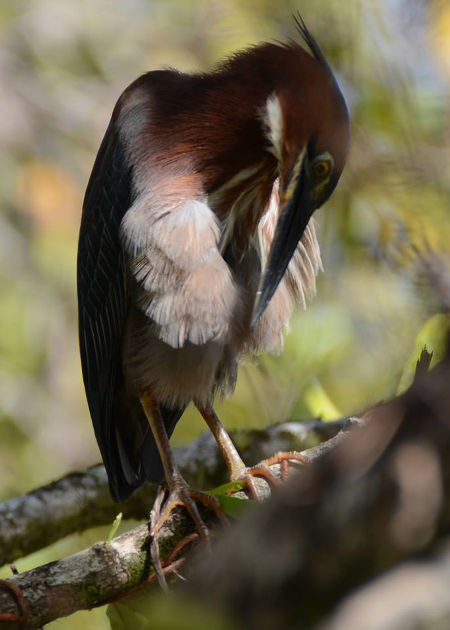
(196, 242)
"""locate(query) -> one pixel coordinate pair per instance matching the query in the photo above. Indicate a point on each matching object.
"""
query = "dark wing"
(126, 443)
(102, 295)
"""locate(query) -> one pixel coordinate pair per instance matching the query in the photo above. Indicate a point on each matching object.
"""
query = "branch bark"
(82, 499)
(103, 572)
(78, 582)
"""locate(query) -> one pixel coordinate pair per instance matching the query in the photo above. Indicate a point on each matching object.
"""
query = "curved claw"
(165, 503)
(284, 458)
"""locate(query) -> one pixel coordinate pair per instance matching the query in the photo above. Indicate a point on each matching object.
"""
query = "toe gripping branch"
(164, 505)
(264, 470)
(21, 617)
(180, 495)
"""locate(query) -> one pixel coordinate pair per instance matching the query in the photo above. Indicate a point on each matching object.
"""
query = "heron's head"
(308, 130)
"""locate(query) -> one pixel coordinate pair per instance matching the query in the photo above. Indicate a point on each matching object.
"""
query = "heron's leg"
(238, 470)
(179, 493)
(232, 458)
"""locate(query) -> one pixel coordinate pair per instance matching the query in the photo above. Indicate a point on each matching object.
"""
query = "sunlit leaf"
(114, 527)
(433, 337)
(319, 403)
(232, 505)
(231, 486)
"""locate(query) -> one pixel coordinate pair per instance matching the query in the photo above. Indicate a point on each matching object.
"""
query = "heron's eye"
(321, 168)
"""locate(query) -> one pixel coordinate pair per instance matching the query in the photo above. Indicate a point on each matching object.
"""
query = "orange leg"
(238, 470)
(178, 493)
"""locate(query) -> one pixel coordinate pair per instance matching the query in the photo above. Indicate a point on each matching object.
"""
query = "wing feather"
(102, 295)
(126, 443)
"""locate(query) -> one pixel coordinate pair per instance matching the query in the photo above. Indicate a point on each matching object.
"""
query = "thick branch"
(80, 581)
(82, 500)
(381, 496)
(101, 573)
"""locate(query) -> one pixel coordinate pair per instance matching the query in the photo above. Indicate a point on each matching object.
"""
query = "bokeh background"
(63, 66)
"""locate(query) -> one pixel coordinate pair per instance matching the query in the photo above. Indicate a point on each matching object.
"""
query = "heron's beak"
(297, 206)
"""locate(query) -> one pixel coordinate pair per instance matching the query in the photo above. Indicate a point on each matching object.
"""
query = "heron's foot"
(261, 478)
(287, 460)
(166, 501)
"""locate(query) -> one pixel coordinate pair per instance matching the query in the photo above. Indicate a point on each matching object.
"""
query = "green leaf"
(232, 505)
(431, 337)
(153, 610)
(114, 527)
(231, 486)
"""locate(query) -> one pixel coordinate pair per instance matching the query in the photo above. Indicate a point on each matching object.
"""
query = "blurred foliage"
(157, 611)
(433, 338)
(62, 67)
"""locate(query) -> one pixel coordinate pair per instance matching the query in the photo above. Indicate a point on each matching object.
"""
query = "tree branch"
(106, 570)
(380, 497)
(82, 499)
(81, 581)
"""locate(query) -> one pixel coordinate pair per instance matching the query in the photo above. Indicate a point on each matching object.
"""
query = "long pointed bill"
(294, 217)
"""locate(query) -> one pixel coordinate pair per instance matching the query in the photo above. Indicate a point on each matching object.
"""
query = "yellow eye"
(321, 169)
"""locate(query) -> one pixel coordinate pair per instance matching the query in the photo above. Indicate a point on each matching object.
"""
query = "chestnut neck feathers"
(218, 116)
